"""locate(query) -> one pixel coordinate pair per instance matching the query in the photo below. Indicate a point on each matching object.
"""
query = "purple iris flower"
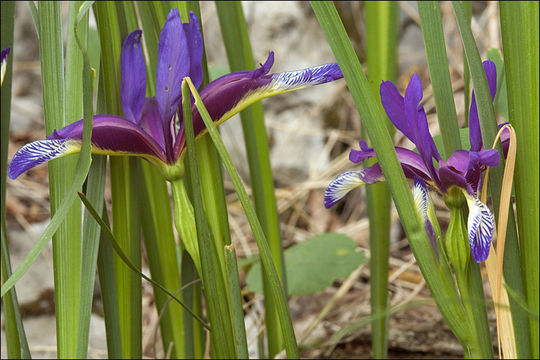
(150, 127)
(462, 170)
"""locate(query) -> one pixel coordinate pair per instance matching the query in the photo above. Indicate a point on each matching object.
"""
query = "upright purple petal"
(425, 144)
(413, 96)
(133, 84)
(350, 180)
(393, 104)
(151, 121)
(173, 65)
(195, 44)
(408, 116)
(475, 135)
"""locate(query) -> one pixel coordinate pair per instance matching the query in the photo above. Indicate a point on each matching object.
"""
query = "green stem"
(184, 221)
(240, 57)
(381, 32)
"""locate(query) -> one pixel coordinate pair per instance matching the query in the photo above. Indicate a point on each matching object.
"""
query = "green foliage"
(501, 98)
(314, 264)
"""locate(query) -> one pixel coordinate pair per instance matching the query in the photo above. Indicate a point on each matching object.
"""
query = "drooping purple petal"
(38, 152)
(133, 84)
(350, 180)
(475, 135)
(173, 65)
(480, 227)
(195, 44)
(113, 135)
(412, 163)
(478, 161)
(421, 200)
(233, 92)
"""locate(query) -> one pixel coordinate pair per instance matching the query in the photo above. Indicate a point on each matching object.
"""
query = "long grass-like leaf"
(125, 258)
(17, 346)
(271, 272)
(160, 247)
(67, 240)
(114, 20)
(489, 129)
(240, 56)
(494, 263)
(217, 294)
(519, 26)
(432, 30)
(238, 316)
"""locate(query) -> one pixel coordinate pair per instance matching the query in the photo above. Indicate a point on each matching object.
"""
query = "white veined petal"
(480, 227)
(38, 152)
(291, 80)
(421, 198)
(341, 186)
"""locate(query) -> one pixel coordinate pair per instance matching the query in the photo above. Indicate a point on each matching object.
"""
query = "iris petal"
(151, 121)
(38, 152)
(111, 135)
(3, 60)
(173, 65)
(480, 227)
(231, 93)
(350, 180)
(394, 106)
(475, 135)
(195, 44)
(451, 178)
(422, 202)
(133, 84)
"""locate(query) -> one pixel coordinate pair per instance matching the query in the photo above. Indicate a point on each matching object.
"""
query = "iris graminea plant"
(150, 128)
(458, 179)
(460, 174)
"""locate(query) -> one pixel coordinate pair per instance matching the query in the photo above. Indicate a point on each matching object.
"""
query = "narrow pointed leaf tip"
(480, 227)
